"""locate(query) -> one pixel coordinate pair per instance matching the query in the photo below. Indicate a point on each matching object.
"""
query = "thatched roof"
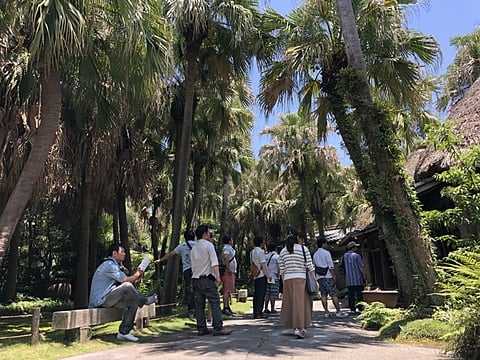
(465, 114)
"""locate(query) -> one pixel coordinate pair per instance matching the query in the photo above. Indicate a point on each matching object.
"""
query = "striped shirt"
(292, 266)
(353, 263)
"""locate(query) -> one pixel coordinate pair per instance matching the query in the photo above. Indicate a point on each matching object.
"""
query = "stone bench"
(77, 323)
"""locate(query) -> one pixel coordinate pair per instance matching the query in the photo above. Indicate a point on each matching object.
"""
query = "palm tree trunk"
(183, 153)
(225, 200)
(42, 143)
(81, 283)
(367, 134)
(192, 223)
(9, 292)
(123, 227)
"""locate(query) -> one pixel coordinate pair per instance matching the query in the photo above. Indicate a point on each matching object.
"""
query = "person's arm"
(226, 261)
(263, 265)
(216, 273)
(165, 257)
(132, 278)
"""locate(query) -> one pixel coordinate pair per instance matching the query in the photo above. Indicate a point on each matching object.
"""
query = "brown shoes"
(222, 332)
(204, 332)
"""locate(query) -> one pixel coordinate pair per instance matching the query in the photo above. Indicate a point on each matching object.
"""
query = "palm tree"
(296, 157)
(323, 54)
(464, 71)
(54, 31)
(229, 27)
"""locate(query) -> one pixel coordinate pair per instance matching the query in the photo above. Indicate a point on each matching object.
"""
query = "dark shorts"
(327, 287)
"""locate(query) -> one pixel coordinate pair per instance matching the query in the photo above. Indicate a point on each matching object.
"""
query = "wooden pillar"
(36, 313)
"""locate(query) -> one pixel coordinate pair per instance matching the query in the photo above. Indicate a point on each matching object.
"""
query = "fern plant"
(461, 287)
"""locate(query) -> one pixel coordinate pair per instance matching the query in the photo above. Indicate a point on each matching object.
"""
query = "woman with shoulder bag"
(294, 259)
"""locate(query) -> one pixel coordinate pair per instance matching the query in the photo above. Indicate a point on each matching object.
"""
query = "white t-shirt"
(323, 258)
(203, 258)
(258, 257)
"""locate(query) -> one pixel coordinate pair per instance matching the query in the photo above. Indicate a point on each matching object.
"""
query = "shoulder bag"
(311, 284)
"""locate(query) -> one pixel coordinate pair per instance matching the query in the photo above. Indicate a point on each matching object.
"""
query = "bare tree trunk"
(10, 288)
(225, 201)
(123, 227)
(183, 154)
(81, 283)
(42, 143)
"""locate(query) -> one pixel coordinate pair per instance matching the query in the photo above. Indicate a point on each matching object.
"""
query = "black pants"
(260, 289)
(188, 289)
(355, 295)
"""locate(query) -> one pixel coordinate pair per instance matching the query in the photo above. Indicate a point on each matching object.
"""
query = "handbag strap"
(270, 258)
(304, 256)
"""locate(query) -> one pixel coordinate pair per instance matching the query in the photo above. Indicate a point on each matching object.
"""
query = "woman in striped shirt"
(296, 303)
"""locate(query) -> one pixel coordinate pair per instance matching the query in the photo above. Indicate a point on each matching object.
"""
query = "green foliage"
(460, 285)
(376, 315)
(431, 329)
(24, 305)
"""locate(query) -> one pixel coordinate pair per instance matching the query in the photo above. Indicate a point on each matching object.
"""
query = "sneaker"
(204, 332)
(152, 299)
(266, 311)
(209, 322)
(341, 314)
(274, 312)
(128, 337)
(227, 312)
(299, 334)
(222, 332)
(327, 314)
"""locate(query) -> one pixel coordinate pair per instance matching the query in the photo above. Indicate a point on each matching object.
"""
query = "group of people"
(292, 265)
(111, 287)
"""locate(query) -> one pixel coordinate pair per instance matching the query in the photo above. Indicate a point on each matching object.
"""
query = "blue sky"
(441, 18)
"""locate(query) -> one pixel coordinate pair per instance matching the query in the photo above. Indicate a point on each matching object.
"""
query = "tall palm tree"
(229, 27)
(54, 31)
(297, 157)
(321, 47)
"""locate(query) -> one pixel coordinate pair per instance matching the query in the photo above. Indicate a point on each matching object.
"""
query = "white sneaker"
(299, 334)
(341, 314)
(128, 337)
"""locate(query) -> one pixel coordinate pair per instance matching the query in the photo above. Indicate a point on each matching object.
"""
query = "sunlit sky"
(441, 18)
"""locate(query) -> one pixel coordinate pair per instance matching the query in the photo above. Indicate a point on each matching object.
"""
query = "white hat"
(352, 244)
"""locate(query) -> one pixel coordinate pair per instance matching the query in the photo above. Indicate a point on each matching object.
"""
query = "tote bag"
(311, 284)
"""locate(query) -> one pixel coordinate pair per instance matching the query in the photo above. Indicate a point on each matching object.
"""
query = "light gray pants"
(125, 296)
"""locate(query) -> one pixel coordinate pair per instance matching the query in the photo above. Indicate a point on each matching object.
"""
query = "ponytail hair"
(292, 234)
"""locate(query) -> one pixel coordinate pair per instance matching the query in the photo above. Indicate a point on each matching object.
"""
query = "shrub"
(25, 305)
(425, 329)
(375, 315)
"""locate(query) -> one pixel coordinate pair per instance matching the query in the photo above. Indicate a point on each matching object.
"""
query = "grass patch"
(52, 347)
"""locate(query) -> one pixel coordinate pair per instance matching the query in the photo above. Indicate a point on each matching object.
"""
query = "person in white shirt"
(205, 278)
(184, 251)
(325, 273)
(228, 277)
(257, 257)
(273, 285)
